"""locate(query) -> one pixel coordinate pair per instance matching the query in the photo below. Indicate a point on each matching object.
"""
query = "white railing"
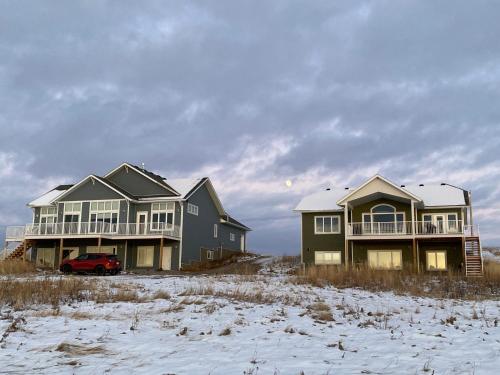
(89, 229)
(405, 228)
(380, 229)
(445, 227)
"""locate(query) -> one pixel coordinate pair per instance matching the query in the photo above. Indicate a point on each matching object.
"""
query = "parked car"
(93, 262)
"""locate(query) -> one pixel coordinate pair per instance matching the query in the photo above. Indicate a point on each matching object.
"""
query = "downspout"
(181, 234)
(470, 212)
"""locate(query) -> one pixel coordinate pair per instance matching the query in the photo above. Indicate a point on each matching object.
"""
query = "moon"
(288, 183)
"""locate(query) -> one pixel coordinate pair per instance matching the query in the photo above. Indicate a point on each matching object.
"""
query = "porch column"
(125, 257)
(61, 245)
(413, 232)
(346, 226)
(25, 244)
(99, 244)
(161, 253)
(418, 257)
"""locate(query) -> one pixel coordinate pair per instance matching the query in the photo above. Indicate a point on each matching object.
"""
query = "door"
(45, 257)
(166, 262)
(142, 222)
(440, 224)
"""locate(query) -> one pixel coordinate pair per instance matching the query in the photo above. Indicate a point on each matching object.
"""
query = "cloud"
(252, 94)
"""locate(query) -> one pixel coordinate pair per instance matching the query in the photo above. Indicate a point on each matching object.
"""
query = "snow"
(46, 199)
(183, 185)
(438, 195)
(431, 195)
(371, 332)
(322, 201)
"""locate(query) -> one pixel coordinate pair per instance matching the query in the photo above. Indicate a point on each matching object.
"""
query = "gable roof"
(229, 220)
(157, 179)
(390, 184)
(48, 197)
(184, 185)
(101, 180)
(433, 195)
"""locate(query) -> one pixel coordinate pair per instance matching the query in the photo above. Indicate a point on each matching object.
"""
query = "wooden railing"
(380, 229)
(405, 228)
(19, 233)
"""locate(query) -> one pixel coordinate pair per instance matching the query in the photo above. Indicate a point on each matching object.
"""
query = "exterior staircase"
(19, 251)
(473, 257)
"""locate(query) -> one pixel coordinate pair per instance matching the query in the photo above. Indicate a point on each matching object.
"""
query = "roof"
(48, 197)
(156, 177)
(322, 201)
(114, 186)
(434, 195)
(184, 185)
(438, 195)
(232, 221)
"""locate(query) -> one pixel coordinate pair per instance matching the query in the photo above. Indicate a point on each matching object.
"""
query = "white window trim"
(316, 253)
(232, 237)
(192, 209)
(446, 221)
(210, 254)
(79, 213)
(328, 216)
(216, 230)
(166, 212)
(436, 269)
(97, 211)
(384, 251)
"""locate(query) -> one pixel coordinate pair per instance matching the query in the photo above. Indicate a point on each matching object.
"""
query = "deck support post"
(99, 244)
(418, 256)
(464, 254)
(125, 257)
(346, 249)
(61, 245)
(25, 244)
(415, 261)
(161, 253)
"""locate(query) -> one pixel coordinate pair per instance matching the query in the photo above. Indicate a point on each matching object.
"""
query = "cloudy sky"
(252, 94)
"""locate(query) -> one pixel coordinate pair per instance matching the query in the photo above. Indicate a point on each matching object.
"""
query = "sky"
(252, 94)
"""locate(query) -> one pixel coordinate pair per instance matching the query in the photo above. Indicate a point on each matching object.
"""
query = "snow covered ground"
(252, 325)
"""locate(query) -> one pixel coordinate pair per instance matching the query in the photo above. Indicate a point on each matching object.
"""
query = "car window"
(111, 256)
(82, 257)
(94, 256)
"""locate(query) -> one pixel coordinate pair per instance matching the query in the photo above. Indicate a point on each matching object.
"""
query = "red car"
(93, 262)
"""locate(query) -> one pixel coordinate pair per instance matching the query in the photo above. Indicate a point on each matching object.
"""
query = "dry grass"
(440, 285)
(53, 291)
(16, 267)
(80, 350)
(320, 311)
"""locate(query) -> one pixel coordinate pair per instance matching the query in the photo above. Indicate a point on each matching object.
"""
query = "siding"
(357, 212)
(137, 184)
(91, 191)
(198, 231)
(320, 242)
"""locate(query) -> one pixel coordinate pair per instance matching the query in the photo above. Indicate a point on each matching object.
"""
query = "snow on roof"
(438, 195)
(322, 201)
(48, 197)
(183, 185)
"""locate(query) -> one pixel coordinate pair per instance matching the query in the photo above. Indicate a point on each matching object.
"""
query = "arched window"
(383, 208)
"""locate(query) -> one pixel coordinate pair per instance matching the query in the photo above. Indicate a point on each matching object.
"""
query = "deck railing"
(19, 233)
(405, 228)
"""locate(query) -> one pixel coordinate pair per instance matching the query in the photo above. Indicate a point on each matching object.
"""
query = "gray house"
(148, 221)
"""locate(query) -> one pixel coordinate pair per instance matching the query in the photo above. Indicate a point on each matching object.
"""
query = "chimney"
(403, 185)
(328, 189)
(346, 188)
(443, 184)
(143, 167)
(421, 185)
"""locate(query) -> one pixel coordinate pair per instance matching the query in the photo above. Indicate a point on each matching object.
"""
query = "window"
(232, 237)
(385, 259)
(327, 257)
(162, 216)
(383, 219)
(326, 224)
(45, 257)
(210, 254)
(192, 209)
(72, 212)
(48, 217)
(452, 223)
(436, 260)
(216, 230)
(145, 256)
(104, 216)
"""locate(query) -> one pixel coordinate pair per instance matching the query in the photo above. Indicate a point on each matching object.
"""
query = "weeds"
(16, 267)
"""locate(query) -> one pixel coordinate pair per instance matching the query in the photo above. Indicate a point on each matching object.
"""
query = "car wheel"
(100, 270)
(67, 269)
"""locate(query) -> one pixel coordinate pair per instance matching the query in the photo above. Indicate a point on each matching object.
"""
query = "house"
(148, 221)
(389, 226)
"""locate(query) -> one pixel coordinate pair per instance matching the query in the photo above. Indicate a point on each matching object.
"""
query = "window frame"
(428, 252)
(331, 217)
(232, 237)
(145, 248)
(323, 252)
(392, 251)
(192, 209)
(155, 225)
(94, 209)
(216, 231)
(210, 254)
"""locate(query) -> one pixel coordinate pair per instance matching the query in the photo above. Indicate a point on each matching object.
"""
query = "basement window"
(327, 257)
(385, 259)
(232, 237)
(436, 260)
(210, 255)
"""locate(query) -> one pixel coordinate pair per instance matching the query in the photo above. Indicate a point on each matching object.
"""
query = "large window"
(162, 216)
(192, 209)
(436, 260)
(145, 256)
(72, 212)
(385, 259)
(232, 237)
(327, 257)
(48, 217)
(104, 216)
(327, 224)
(384, 219)
(45, 257)
(216, 230)
(441, 223)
